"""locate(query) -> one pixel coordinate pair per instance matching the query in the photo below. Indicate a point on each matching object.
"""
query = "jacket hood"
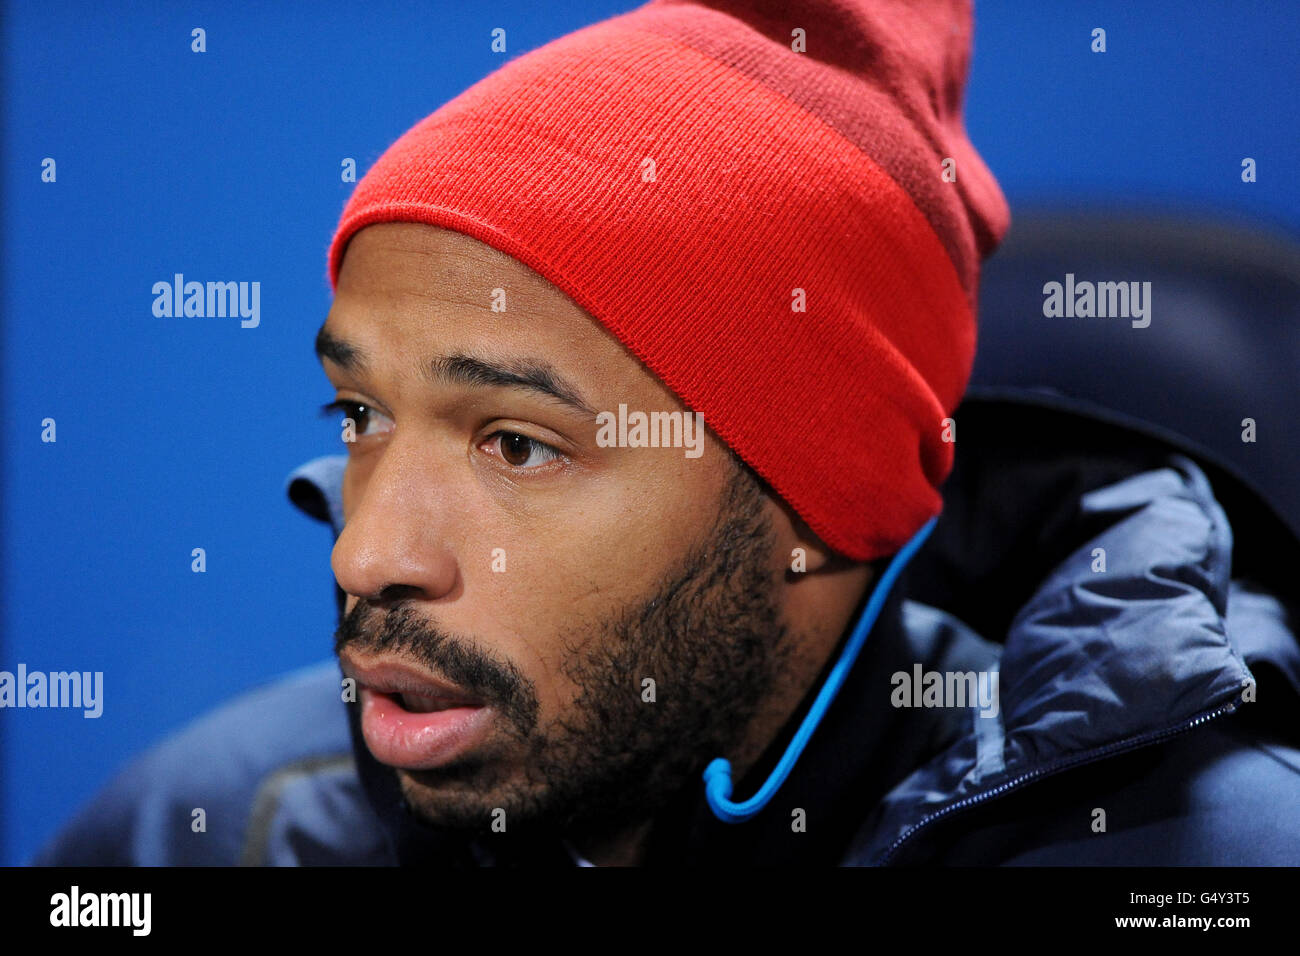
(1122, 583)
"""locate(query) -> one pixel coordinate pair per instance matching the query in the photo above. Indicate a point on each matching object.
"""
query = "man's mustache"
(400, 632)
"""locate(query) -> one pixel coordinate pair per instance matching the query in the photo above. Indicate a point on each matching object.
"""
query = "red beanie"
(773, 205)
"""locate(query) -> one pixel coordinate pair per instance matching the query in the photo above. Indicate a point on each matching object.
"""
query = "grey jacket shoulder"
(267, 779)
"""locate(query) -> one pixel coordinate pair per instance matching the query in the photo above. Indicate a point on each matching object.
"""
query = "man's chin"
(466, 795)
(485, 798)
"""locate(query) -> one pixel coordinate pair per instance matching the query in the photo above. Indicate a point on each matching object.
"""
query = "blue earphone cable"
(717, 776)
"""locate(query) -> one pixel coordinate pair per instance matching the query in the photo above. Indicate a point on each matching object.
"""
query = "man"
(647, 349)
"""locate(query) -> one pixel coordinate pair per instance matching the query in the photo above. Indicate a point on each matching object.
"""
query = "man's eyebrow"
(343, 354)
(461, 369)
(535, 376)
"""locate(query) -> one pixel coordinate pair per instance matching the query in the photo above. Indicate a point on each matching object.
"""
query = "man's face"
(537, 624)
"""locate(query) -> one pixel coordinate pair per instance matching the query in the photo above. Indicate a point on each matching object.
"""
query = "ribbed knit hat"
(773, 205)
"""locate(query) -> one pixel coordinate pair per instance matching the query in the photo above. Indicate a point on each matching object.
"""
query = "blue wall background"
(175, 434)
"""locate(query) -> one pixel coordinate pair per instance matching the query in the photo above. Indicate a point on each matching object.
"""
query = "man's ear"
(809, 554)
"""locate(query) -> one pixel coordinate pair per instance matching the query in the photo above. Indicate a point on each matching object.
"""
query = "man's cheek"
(540, 580)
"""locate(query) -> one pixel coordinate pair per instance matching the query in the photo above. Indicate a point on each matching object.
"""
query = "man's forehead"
(461, 295)
(428, 262)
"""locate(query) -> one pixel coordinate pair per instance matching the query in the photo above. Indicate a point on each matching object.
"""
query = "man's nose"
(394, 542)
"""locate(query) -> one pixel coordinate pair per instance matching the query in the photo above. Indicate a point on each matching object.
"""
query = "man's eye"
(359, 413)
(522, 451)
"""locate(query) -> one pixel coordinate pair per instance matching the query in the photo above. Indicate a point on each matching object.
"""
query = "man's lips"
(390, 676)
(412, 720)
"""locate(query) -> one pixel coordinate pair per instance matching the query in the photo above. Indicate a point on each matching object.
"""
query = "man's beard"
(712, 640)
